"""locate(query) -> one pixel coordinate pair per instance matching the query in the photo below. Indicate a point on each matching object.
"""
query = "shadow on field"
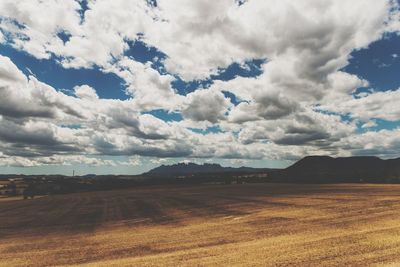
(85, 212)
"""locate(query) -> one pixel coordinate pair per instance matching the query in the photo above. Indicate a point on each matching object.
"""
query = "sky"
(120, 87)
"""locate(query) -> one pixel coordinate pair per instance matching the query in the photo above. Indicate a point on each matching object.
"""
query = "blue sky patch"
(232, 97)
(380, 124)
(379, 63)
(208, 130)
(84, 7)
(165, 116)
(143, 53)
(107, 85)
(64, 36)
(152, 3)
(251, 68)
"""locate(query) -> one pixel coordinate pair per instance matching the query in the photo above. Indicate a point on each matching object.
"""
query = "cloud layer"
(302, 103)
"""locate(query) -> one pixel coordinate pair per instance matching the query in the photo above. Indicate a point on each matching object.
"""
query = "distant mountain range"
(311, 169)
(193, 168)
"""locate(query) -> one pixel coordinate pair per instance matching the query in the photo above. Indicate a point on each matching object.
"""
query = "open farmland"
(225, 225)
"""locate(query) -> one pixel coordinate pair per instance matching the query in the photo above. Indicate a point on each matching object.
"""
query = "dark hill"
(323, 169)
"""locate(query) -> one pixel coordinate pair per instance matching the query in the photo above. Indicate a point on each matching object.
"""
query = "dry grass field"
(218, 225)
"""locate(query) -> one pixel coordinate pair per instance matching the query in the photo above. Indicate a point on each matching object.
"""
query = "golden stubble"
(225, 225)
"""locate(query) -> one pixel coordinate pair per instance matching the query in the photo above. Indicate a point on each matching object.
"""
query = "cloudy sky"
(117, 86)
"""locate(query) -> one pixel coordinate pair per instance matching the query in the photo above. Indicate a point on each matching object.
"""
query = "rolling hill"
(324, 169)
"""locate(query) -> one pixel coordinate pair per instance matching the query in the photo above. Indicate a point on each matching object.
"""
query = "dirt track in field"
(225, 225)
